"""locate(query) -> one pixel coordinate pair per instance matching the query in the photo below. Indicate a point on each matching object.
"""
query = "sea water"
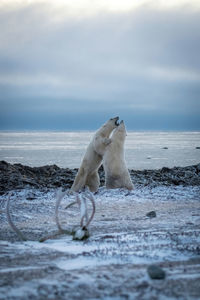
(143, 150)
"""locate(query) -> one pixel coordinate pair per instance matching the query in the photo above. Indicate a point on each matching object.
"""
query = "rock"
(198, 168)
(165, 148)
(165, 170)
(17, 176)
(176, 182)
(31, 196)
(197, 147)
(151, 214)
(155, 272)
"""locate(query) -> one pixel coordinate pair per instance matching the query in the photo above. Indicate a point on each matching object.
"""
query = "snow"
(112, 263)
(83, 207)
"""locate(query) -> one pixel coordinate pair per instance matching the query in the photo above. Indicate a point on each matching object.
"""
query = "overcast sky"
(74, 64)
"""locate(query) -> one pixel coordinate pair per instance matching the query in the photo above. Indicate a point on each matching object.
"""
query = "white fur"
(116, 172)
(88, 172)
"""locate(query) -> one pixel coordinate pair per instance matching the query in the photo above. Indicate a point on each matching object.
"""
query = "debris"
(151, 214)
(155, 272)
(81, 234)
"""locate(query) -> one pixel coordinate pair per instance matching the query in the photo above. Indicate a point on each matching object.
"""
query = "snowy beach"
(124, 239)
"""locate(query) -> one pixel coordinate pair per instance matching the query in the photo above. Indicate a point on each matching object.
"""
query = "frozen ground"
(112, 263)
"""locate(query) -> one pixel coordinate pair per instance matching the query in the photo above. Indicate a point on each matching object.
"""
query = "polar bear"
(116, 172)
(88, 172)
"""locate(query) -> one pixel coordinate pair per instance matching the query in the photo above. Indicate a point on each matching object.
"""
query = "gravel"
(126, 244)
(17, 176)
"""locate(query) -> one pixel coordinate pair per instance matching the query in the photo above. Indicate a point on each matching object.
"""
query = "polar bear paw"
(107, 141)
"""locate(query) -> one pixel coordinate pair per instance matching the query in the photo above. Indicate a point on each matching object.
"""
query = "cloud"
(144, 60)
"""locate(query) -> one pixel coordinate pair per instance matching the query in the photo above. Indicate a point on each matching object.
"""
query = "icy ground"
(112, 263)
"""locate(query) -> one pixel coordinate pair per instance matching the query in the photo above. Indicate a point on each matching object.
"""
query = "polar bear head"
(119, 134)
(108, 127)
(101, 138)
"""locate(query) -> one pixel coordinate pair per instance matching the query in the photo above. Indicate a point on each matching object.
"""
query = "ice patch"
(66, 245)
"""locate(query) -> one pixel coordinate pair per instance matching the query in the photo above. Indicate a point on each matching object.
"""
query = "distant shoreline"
(18, 176)
(94, 129)
(143, 150)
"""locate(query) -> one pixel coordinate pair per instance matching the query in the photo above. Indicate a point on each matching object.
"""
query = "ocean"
(143, 150)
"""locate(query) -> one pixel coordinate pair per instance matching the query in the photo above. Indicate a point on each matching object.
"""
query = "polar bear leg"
(128, 184)
(80, 180)
(113, 182)
(93, 181)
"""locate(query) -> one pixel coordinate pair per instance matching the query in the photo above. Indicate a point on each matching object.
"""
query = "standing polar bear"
(88, 172)
(116, 172)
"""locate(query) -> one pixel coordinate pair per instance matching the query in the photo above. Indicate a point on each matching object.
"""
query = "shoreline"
(126, 239)
(18, 176)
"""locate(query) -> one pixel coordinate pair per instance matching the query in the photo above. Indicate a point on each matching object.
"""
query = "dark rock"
(176, 182)
(165, 169)
(30, 198)
(198, 168)
(165, 148)
(155, 272)
(151, 214)
(197, 147)
(17, 176)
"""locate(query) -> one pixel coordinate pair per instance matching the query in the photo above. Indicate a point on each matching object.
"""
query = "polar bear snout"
(116, 120)
(121, 127)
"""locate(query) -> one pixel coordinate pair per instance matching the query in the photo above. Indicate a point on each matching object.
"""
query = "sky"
(73, 64)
